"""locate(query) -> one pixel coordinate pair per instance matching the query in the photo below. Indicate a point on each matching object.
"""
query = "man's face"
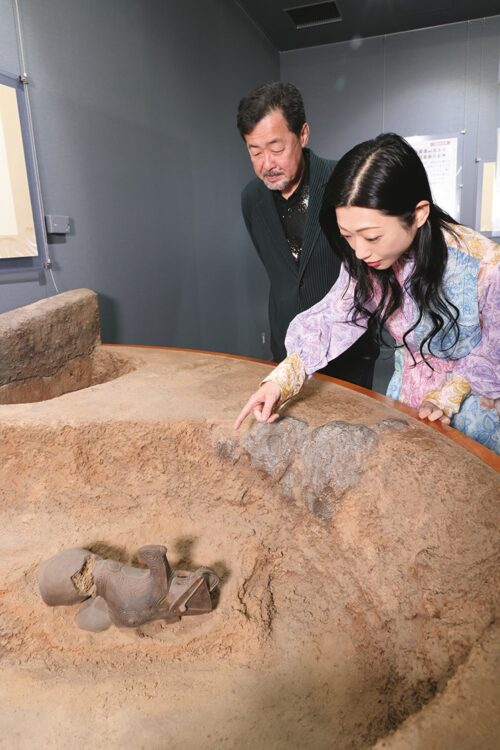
(276, 152)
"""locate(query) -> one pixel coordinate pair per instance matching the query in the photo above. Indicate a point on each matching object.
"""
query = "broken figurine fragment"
(123, 595)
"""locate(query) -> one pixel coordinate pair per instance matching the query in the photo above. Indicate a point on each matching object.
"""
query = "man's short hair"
(267, 98)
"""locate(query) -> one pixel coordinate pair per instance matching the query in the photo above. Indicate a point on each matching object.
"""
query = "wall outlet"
(57, 224)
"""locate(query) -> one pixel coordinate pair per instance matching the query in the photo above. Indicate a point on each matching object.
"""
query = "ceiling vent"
(314, 15)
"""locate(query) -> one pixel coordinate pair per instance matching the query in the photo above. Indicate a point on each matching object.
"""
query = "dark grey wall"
(432, 81)
(134, 105)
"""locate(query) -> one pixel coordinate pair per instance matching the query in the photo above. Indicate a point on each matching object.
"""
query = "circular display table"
(356, 546)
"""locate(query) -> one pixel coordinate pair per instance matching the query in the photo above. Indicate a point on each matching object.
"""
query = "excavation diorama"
(327, 581)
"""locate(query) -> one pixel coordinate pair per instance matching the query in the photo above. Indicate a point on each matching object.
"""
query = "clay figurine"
(124, 595)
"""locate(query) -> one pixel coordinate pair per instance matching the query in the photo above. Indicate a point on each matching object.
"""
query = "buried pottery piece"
(123, 595)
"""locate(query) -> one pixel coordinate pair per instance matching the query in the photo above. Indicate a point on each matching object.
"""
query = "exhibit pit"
(357, 550)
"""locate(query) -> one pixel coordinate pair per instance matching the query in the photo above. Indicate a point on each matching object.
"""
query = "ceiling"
(360, 18)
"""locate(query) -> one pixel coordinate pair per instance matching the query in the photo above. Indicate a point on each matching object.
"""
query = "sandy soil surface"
(329, 630)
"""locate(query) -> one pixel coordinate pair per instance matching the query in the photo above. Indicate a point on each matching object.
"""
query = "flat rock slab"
(38, 339)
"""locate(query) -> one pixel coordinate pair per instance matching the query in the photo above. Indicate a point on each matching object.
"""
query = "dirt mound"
(344, 606)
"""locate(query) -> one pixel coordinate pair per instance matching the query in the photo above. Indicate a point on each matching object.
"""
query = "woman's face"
(377, 239)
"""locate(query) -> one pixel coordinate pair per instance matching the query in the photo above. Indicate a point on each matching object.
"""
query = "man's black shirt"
(293, 212)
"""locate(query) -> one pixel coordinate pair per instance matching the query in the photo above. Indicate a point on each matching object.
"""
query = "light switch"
(57, 224)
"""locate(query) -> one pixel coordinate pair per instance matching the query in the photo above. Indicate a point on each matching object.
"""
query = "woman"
(410, 268)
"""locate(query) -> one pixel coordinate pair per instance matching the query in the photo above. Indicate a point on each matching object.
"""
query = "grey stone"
(273, 446)
(291, 483)
(390, 425)
(227, 448)
(333, 455)
(313, 467)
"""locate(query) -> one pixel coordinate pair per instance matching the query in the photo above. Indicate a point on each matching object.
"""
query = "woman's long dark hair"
(386, 174)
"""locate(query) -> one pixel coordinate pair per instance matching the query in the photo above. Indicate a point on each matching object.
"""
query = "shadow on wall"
(108, 314)
(22, 277)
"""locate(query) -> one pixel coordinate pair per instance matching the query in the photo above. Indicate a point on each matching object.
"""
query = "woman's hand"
(490, 403)
(432, 412)
(261, 403)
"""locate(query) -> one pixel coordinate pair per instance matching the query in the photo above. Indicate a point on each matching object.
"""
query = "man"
(281, 210)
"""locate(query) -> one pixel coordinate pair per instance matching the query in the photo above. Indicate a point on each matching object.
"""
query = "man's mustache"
(273, 173)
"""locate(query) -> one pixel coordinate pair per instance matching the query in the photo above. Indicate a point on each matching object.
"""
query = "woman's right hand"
(261, 403)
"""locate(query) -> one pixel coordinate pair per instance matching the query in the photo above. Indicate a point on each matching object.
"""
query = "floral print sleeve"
(449, 398)
(477, 371)
(482, 366)
(323, 332)
(289, 375)
(317, 336)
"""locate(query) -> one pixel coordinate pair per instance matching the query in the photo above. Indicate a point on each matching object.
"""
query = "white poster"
(8, 223)
(439, 155)
(17, 226)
